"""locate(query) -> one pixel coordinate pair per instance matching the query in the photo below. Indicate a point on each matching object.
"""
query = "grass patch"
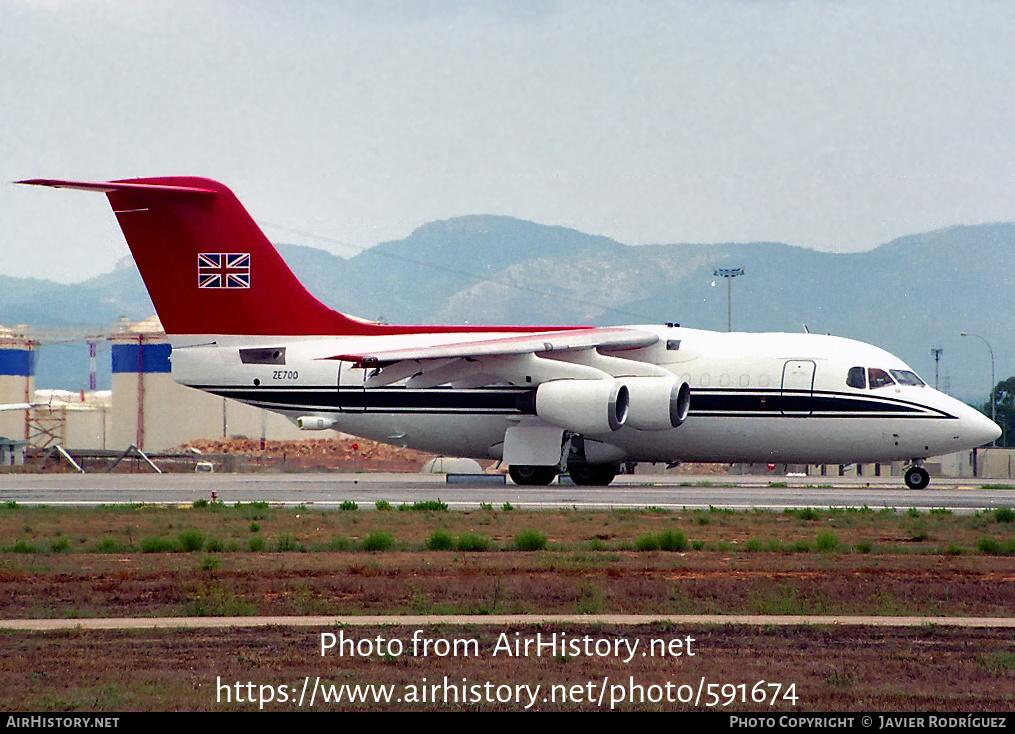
(530, 540)
(440, 540)
(804, 513)
(827, 542)
(425, 506)
(1004, 514)
(191, 540)
(378, 541)
(158, 544)
(287, 543)
(472, 542)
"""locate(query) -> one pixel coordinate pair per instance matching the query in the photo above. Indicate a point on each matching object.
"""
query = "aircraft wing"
(547, 341)
(527, 359)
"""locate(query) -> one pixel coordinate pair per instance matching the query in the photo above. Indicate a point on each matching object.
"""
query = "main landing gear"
(532, 475)
(588, 475)
(592, 475)
(917, 477)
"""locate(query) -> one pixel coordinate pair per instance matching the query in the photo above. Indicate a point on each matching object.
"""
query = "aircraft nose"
(978, 428)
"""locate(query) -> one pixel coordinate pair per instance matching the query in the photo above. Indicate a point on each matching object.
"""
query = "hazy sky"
(835, 125)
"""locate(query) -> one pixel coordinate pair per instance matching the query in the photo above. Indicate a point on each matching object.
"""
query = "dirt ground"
(58, 563)
(733, 668)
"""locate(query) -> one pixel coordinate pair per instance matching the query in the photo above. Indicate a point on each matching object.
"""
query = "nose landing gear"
(916, 476)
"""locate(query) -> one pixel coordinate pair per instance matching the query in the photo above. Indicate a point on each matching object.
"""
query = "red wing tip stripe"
(111, 186)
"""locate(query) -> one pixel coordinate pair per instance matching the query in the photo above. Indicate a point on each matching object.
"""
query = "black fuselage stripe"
(518, 401)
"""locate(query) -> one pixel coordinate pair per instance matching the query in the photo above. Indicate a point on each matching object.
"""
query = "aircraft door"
(351, 388)
(797, 387)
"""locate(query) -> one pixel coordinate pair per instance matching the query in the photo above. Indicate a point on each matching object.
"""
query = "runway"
(329, 490)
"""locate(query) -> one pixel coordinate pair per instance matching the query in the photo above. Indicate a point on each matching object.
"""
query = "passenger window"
(856, 378)
(879, 378)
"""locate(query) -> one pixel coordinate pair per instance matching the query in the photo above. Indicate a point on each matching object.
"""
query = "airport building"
(17, 381)
(145, 407)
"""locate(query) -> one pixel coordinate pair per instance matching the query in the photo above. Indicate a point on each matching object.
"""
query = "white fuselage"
(767, 397)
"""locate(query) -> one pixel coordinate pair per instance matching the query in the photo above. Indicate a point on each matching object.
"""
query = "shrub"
(646, 542)
(23, 546)
(753, 545)
(157, 544)
(1004, 514)
(672, 540)
(191, 540)
(256, 543)
(806, 513)
(348, 506)
(286, 543)
(471, 542)
(60, 545)
(507, 507)
(989, 546)
(383, 506)
(426, 506)
(340, 543)
(378, 541)
(440, 540)
(215, 545)
(108, 545)
(529, 540)
(827, 542)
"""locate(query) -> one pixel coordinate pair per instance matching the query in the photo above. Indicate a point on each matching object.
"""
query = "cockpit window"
(879, 378)
(905, 377)
(856, 377)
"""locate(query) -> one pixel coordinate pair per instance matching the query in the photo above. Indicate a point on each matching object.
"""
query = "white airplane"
(544, 399)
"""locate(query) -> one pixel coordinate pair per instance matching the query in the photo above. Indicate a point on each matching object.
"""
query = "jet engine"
(583, 406)
(657, 403)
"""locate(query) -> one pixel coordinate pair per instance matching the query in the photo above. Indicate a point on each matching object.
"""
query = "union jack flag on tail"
(223, 270)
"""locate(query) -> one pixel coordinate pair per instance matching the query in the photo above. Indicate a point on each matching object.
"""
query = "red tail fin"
(210, 270)
(207, 266)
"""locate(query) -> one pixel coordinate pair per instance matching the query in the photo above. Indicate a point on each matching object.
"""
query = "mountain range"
(907, 296)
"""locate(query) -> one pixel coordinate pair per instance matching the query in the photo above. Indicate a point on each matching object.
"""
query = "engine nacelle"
(314, 423)
(583, 406)
(657, 403)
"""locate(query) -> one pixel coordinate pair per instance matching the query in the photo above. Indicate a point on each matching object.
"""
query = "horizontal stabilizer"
(111, 186)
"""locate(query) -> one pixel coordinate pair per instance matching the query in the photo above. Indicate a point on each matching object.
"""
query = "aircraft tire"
(917, 478)
(527, 475)
(593, 475)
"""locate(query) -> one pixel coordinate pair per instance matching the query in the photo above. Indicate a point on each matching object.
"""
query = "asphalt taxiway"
(675, 492)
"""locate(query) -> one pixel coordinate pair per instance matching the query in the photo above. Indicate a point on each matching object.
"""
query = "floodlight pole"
(993, 383)
(729, 274)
